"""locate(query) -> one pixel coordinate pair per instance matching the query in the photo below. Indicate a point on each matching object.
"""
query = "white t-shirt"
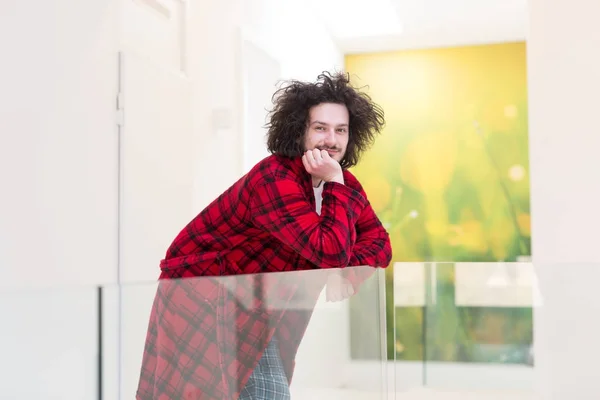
(318, 197)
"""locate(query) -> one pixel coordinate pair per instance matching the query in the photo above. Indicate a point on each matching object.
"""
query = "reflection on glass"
(464, 312)
(209, 337)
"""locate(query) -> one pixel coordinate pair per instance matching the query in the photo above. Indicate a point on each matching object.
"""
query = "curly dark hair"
(288, 119)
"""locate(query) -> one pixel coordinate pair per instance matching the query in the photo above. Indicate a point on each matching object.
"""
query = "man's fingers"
(332, 293)
(310, 157)
(335, 294)
(338, 288)
(349, 290)
(316, 154)
(310, 163)
(346, 291)
(328, 292)
(332, 297)
(306, 164)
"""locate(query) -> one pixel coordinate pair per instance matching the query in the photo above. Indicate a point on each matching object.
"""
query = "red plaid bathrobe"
(207, 334)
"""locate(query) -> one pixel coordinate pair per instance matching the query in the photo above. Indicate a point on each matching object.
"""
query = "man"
(298, 209)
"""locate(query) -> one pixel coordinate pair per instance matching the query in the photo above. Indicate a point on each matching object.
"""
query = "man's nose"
(330, 138)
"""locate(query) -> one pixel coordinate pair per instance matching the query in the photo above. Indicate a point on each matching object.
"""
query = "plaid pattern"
(268, 381)
(206, 336)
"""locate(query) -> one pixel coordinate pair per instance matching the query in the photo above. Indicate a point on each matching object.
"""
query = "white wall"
(293, 33)
(278, 41)
(564, 82)
(213, 36)
(58, 208)
(58, 143)
(286, 31)
(156, 158)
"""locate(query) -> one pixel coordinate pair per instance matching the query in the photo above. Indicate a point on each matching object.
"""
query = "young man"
(298, 209)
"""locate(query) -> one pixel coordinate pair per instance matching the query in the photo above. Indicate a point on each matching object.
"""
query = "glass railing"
(411, 331)
(463, 329)
(49, 341)
(200, 338)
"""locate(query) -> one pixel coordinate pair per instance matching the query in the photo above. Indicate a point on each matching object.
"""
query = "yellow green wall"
(452, 113)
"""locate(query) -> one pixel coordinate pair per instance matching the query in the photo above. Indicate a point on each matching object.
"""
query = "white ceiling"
(384, 25)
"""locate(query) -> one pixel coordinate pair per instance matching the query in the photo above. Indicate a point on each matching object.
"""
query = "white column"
(564, 85)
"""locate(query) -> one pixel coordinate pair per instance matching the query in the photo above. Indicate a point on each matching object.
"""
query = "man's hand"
(338, 288)
(320, 165)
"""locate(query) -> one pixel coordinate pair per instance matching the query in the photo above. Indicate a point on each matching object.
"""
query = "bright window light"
(359, 18)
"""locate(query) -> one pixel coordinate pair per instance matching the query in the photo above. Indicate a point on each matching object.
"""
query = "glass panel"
(206, 335)
(49, 343)
(406, 301)
(479, 327)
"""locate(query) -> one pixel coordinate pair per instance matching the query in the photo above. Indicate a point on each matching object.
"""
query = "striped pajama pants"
(268, 380)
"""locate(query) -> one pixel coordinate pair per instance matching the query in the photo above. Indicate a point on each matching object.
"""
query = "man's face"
(328, 129)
